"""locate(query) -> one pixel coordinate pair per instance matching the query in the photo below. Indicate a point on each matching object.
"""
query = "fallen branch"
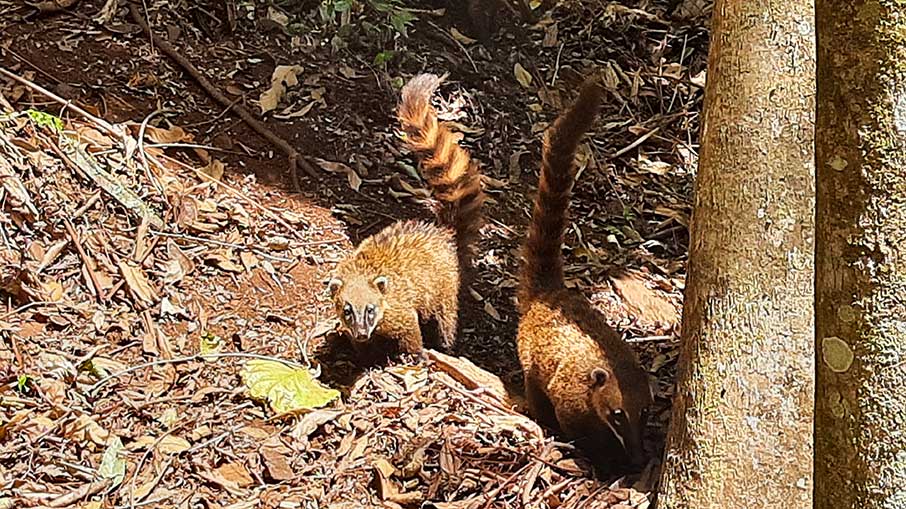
(295, 159)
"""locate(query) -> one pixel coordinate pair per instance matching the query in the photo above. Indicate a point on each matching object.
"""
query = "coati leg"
(402, 325)
(539, 404)
(447, 320)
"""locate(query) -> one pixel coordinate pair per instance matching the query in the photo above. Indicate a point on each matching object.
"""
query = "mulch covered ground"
(152, 224)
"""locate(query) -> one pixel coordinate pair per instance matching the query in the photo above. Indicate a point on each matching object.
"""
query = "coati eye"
(369, 310)
(347, 312)
(618, 414)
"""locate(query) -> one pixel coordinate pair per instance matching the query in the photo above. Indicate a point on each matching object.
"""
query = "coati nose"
(361, 335)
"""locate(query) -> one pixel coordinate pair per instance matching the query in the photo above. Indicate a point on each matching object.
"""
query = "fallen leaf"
(284, 76)
(84, 428)
(276, 464)
(178, 266)
(285, 388)
(522, 76)
(171, 444)
(489, 309)
(464, 40)
(214, 169)
(277, 16)
(249, 260)
(138, 283)
(313, 420)
(235, 473)
(175, 134)
(112, 465)
(223, 261)
(654, 167)
(550, 36)
(168, 418)
(351, 176)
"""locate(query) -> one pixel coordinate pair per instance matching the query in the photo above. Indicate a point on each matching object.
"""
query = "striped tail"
(543, 269)
(449, 170)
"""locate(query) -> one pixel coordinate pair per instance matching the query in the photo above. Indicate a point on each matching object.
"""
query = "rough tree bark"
(741, 432)
(860, 311)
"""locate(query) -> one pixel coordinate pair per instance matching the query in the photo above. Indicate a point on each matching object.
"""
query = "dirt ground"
(625, 249)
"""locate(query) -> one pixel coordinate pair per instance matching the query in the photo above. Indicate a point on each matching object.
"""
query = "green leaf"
(45, 119)
(285, 388)
(22, 383)
(112, 465)
(401, 19)
(381, 59)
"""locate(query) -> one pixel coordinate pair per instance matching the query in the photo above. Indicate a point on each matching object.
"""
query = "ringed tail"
(543, 267)
(451, 173)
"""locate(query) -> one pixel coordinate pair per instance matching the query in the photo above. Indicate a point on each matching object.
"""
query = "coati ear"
(598, 377)
(333, 286)
(381, 283)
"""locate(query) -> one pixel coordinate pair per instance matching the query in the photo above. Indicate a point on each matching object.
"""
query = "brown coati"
(413, 271)
(579, 375)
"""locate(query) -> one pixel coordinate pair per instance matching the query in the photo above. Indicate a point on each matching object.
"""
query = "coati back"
(579, 374)
(412, 271)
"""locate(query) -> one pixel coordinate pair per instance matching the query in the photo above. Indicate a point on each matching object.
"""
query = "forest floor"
(103, 401)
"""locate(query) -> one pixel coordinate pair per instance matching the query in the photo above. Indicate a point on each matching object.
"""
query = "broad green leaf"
(381, 59)
(45, 119)
(285, 388)
(112, 465)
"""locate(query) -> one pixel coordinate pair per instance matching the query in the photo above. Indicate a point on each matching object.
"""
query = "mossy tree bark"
(741, 432)
(860, 311)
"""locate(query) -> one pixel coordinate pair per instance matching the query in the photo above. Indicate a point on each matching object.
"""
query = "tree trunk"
(860, 410)
(741, 432)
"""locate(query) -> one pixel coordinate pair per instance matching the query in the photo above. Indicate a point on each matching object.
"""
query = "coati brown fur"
(579, 375)
(413, 271)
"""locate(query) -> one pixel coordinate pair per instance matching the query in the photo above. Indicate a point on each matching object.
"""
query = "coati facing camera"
(579, 374)
(411, 270)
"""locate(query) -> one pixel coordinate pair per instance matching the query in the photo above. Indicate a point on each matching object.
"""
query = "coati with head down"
(579, 374)
(413, 271)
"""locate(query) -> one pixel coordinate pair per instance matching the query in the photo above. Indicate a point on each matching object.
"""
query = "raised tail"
(452, 174)
(543, 266)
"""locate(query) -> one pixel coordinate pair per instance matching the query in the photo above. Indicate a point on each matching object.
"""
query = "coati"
(579, 375)
(412, 270)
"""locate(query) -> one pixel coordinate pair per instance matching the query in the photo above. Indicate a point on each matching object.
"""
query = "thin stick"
(88, 204)
(295, 159)
(67, 103)
(141, 149)
(636, 143)
(180, 360)
(91, 274)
